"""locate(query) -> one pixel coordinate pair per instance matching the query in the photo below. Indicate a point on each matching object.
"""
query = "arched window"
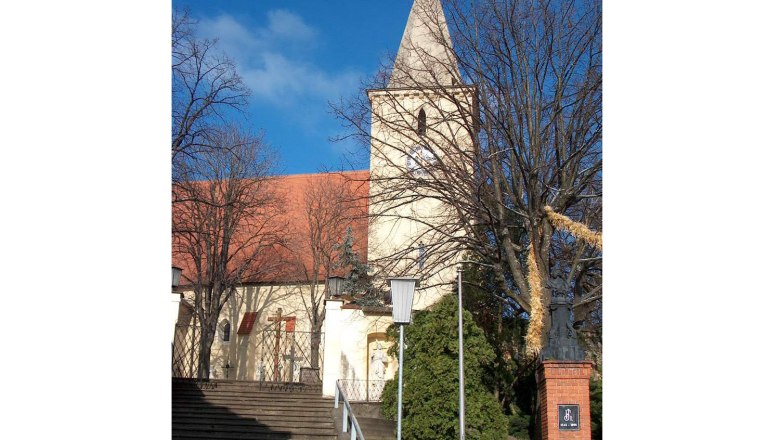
(226, 331)
(422, 124)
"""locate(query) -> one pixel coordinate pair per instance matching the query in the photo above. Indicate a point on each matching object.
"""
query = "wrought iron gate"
(290, 356)
(185, 351)
(281, 356)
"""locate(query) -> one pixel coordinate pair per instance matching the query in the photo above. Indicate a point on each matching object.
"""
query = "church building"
(290, 325)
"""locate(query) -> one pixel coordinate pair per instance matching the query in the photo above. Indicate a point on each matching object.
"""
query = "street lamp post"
(461, 396)
(402, 290)
(461, 379)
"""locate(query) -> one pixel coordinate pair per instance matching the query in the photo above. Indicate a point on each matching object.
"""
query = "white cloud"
(273, 59)
(285, 24)
(279, 78)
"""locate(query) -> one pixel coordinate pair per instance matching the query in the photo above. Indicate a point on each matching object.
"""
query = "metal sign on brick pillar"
(569, 417)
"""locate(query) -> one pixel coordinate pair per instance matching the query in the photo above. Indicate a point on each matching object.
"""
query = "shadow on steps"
(372, 424)
(231, 410)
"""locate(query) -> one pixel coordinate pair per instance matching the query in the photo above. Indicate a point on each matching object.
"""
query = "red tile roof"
(289, 260)
(247, 323)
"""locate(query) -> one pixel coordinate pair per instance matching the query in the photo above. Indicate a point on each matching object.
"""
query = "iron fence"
(363, 390)
(185, 351)
(290, 356)
(280, 356)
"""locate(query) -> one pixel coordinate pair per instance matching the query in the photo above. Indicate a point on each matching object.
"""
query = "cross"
(277, 320)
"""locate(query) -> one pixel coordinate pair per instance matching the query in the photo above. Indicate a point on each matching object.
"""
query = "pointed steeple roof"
(425, 57)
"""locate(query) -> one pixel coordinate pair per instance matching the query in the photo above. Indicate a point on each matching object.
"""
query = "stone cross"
(277, 320)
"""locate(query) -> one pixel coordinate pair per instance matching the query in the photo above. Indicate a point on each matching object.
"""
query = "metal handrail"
(347, 414)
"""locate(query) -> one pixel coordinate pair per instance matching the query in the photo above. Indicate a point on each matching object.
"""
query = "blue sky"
(298, 55)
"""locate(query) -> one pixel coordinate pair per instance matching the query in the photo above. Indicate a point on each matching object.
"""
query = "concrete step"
(237, 393)
(233, 430)
(233, 410)
(251, 436)
(268, 436)
(251, 387)
(372, 425)
(258, 401)
(251, 411)
(379, 429)
(244, 391)
(244, 385)
(274, 423)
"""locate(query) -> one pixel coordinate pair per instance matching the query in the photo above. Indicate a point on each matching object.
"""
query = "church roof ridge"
(324, 173)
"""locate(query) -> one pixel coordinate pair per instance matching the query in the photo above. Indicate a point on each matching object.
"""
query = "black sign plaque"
(568, 417)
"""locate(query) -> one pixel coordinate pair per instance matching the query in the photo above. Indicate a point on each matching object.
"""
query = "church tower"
(419, 125)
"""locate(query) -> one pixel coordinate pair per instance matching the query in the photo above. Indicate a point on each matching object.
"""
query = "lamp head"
(402, 290)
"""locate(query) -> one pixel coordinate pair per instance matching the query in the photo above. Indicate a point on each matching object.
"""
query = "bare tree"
(206, 88)
(330, 203)
(226, 226)
(511, 127)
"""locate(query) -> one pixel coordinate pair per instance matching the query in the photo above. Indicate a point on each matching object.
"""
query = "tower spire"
(425, 57)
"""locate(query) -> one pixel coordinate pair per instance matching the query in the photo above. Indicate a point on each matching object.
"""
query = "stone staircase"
(372, 424)
(230, 410)
(377, 428)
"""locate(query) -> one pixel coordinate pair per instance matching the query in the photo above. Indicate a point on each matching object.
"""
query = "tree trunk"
(204, 354)
(315, 346)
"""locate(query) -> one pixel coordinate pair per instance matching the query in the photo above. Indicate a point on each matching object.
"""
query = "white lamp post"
(461, 394)
(402, 290)
(461, 397)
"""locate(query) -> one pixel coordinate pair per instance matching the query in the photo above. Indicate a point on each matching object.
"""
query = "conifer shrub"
(595, 409)
(430, 397)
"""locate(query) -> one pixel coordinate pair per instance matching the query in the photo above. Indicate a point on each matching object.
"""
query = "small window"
(422, 124)
(420, 256)
(226, 332)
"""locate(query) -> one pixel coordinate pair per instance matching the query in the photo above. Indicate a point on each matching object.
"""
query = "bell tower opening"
(422, 123)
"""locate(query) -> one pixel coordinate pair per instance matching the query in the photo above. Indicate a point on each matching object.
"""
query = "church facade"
(292, 328)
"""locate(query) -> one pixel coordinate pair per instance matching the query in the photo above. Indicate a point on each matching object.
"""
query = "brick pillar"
(564, 383)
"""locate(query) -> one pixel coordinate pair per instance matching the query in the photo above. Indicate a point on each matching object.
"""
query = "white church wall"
(347, 349)
(242, 351)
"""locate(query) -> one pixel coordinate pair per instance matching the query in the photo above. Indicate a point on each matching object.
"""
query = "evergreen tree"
(595, 409)
(430, 398)
(357, 282)
(511, 378)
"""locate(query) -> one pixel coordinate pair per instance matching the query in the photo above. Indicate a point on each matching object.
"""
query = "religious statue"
(562, 341)
(557, 283)
(259, 371)
(378, 361)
